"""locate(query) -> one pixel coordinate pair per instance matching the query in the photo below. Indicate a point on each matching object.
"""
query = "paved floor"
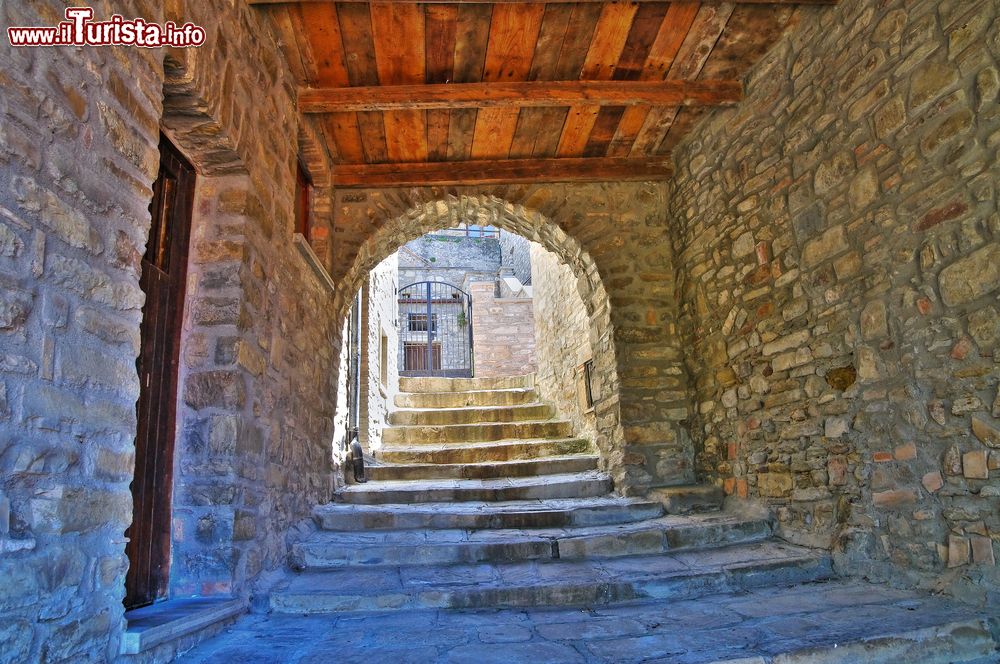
(822, 622)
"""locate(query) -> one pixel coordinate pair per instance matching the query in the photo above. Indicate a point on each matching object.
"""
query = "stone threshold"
(174, 619)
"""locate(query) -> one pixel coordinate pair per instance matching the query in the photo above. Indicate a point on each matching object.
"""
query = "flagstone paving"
(833, 621)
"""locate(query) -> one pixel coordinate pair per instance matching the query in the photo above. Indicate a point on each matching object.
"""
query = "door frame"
(158, 364)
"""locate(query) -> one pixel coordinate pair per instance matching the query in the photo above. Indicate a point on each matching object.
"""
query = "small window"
(383, 360)
(415, 356)
(303, 201)
(588, 385)
(418, 322)
(584, 385)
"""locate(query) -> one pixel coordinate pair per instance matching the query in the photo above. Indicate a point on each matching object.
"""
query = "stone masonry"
(503, 332)
(379, 319)
(78, 149)
(452, 259)
(838, 239)
(78, 153)
(562, 338)
(515, 253)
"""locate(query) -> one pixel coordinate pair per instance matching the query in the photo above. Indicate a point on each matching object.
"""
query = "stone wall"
(447, 258)
(341, 417)
(838, 241)
(503, 332)
(614, 237)
(379, 319)
(256, 409)
(562, 338)
(78, 155)
(515, 253)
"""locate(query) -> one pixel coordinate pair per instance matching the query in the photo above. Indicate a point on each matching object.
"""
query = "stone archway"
(631, 447)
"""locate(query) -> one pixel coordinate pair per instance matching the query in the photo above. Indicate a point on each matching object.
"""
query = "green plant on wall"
(462, 320)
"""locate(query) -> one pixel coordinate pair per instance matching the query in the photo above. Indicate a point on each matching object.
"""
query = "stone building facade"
(516, 254)
(497, 337)
(805, 315)
(453, 263)
(453, 259)
(379, 364)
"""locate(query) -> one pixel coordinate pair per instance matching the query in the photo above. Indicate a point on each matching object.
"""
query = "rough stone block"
(221, 389)
(894, 499)
(984, 327)
(874, 324)
(930, 82)
(832, 242)
(932, 481)
(972, 277)
(974, 465)
(216, 311)
(982, 550)
(958, 551)
(787, 342)
(986, 432)
(774, 484)
(15, 306)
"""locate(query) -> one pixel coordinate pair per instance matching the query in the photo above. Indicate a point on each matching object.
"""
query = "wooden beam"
(492, 2)
(519, 94)
(500, 171)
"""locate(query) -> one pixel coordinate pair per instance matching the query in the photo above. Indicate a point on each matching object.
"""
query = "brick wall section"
(562, 337)
(503, 332)
(614, 236)
(78, 154)
(515, 253)
(839, 240)
(380, 313)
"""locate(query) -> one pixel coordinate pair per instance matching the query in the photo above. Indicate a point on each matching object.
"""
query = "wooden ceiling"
(408, 93)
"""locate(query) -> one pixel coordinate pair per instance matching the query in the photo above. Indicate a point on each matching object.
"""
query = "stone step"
(477, 398)
(476, 433)
(690, 498)
(470, 415)
(329, 550)
(556, 513)
(499, 450)
(669, 577)
(526, 468)
(570, 485)
(435, 384)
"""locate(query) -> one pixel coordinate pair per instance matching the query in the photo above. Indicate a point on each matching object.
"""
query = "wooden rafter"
(519, 94)
(500, 171)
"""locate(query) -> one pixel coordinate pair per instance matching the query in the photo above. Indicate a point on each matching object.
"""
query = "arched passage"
(611, 300)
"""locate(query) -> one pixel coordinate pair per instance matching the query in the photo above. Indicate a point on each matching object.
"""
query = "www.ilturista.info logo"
(79, 30)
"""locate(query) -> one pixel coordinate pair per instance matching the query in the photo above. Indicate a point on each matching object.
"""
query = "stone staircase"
(483, 498)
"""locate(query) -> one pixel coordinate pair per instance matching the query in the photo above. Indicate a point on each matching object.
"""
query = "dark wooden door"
(164, 272)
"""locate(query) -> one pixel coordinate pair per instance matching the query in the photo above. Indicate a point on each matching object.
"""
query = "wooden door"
(164, 272)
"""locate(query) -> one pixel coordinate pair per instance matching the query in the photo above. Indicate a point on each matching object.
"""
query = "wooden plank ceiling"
(407, 93)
